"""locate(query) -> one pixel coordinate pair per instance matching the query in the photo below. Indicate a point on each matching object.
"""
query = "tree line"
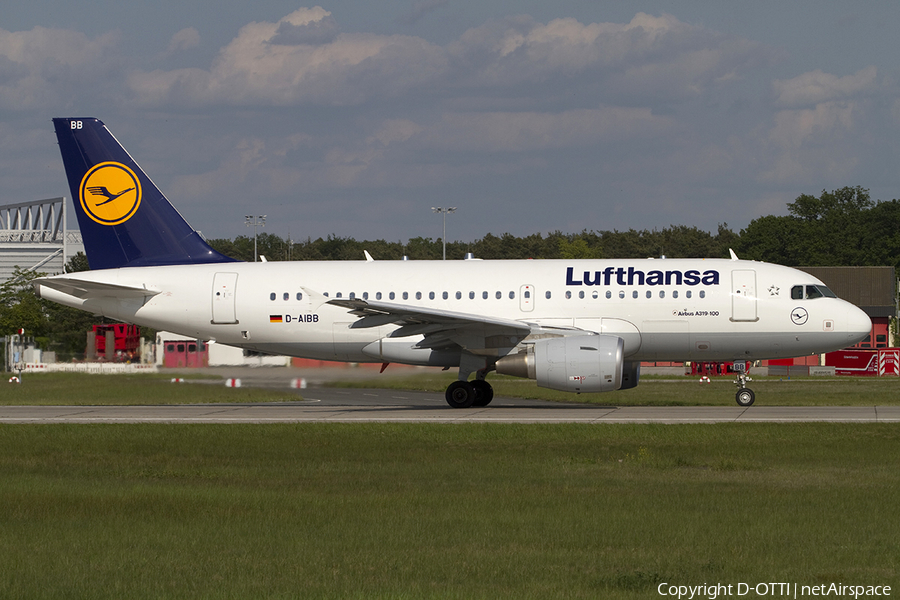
(843, 227)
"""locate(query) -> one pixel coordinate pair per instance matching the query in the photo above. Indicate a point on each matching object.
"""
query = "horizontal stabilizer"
(91, 289)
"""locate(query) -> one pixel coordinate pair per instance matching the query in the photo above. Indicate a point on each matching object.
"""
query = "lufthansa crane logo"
(799, 316)
(110, 193)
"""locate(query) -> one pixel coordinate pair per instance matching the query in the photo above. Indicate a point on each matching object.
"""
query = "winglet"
(125, 220)
(368, 256)
(733, 255)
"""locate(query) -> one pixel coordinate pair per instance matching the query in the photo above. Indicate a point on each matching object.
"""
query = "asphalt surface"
(325, 404)
(391, 406)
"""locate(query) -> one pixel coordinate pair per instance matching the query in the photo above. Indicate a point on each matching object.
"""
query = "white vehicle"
(572, 325)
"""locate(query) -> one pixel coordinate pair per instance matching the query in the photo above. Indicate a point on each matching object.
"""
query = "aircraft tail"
(125, 220)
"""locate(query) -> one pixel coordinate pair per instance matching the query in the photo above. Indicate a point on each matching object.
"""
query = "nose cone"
(857, 325)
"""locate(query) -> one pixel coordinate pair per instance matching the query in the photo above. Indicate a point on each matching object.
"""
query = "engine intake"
(582, 363)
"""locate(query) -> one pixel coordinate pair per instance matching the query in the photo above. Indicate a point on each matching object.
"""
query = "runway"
(328, 405)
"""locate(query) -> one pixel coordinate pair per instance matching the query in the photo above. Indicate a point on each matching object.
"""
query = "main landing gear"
(478, 392)
(465, 394)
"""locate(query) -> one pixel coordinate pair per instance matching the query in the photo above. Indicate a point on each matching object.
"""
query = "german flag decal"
(275, 319)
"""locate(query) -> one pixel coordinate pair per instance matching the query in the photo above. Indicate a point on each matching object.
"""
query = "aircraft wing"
(472, 332)
(84, 289)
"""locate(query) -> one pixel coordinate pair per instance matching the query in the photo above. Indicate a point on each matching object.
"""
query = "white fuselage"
(666, 309)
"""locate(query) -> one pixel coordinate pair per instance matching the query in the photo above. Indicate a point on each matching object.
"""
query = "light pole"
(444, 212)
(258, 221)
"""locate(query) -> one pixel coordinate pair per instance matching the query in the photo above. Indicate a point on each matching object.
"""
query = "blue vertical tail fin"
(125, 220)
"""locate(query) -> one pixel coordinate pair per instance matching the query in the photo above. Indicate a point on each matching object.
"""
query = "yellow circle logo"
(110, 193)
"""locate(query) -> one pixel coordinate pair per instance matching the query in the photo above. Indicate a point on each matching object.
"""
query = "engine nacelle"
(582, 363)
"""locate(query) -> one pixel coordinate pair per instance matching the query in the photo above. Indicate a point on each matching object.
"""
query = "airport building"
(34, 236)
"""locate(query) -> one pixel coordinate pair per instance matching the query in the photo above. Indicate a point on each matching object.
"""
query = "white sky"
(355, 118)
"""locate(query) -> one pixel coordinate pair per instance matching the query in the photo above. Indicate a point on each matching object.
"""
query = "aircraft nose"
(858, 324)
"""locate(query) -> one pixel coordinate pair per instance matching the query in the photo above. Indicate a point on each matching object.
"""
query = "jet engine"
(581, 363)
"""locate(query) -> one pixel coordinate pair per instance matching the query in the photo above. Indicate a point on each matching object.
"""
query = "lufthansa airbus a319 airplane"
(572, 325)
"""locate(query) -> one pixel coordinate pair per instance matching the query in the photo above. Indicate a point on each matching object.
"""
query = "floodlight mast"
(444, 212)
(257, 221)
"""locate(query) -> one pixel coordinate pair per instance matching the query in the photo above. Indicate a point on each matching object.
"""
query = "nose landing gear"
(744, 395)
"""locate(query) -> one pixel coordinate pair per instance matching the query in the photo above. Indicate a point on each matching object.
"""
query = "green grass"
(677, 390)
(442, 511)
(93, 390)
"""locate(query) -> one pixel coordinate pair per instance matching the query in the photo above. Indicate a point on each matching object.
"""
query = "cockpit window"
(811, 291)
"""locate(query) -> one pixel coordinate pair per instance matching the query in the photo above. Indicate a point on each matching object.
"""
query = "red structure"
(711, 369)
(185, 353)
(872, 363)
(117, 342)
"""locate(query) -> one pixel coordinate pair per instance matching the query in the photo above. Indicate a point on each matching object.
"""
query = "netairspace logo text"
(771, 590)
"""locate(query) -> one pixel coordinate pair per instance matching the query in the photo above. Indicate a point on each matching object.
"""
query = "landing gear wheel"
(460, 394)
(484, 393)
(745, 397)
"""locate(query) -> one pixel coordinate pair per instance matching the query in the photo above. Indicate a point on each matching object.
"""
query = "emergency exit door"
(224, 285)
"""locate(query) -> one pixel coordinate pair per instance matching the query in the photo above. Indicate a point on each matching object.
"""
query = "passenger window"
(527, 294)
(406, 295)
(595, 294)
(339, 295)
(547, 295)
(662, 294)
(608, 294)
(703, 293)
(445, 295)
(272, 296)
(512, 295)
(287, 296)
(687, 294)
(365, 295)
(634, 294)
(484, 295)
(797, 292)
(378, 295)
(353, 295)
(431, 295)
(581, 295)
(675, 294)
(299, 295)
(459, 295)
(568, 295)
(418, 295)
(471, 295)
(392, 295)
(649, 294)
(622, 293)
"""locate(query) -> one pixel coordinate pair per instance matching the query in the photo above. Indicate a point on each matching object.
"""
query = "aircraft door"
(526, 298)
(224, 285)
(743, 295)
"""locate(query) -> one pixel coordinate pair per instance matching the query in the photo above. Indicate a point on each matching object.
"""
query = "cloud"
(276, 64)
(304, 60)
(420, 9)
(532, 131)
(47, 67)
(185, 39)
(816, 87)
